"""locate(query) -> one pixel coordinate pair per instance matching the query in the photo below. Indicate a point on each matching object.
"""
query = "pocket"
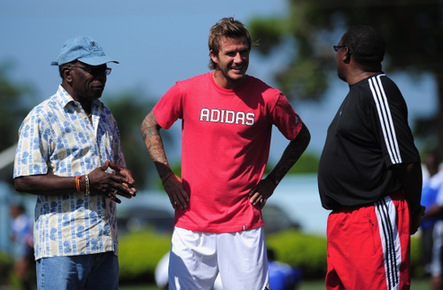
(374, 233)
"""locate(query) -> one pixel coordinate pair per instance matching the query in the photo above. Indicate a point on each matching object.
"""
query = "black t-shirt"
(368, 135)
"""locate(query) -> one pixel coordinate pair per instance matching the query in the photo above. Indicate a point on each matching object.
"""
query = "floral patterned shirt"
(57, 137)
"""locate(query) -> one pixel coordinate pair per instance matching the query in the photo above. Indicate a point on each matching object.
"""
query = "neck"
(358, 76)
(84, 102)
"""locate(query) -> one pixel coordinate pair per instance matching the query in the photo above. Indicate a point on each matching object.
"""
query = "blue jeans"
(96, 271)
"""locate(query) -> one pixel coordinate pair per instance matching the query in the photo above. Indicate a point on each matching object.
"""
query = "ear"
(213, 56)
(67, 74)
(346, 56)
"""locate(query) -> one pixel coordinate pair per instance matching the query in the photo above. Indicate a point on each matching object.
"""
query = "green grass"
(305, 285)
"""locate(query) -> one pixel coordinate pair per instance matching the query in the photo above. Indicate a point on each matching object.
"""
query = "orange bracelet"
(77, 183)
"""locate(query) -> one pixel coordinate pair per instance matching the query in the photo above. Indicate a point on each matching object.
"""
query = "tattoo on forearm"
(154, 143)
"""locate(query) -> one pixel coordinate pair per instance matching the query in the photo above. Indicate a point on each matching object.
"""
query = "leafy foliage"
(129, 109)
(139, 254)
(298, 249)
(308, 163)
(6, 267)
(412, 29)
(13, 107)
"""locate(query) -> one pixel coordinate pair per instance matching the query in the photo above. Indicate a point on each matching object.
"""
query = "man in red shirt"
(227, 117)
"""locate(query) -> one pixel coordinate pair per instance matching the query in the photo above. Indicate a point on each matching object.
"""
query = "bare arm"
(150, 130)
(101, 182)
(411, 178)
(265, 188)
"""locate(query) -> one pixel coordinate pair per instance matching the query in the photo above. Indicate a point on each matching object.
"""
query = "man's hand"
(260, 194)
(111, 185)
(414, 222)
(174, 188)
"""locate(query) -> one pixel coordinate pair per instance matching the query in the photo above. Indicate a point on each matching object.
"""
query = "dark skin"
(409, 174)
(85, 84)
(265, 188)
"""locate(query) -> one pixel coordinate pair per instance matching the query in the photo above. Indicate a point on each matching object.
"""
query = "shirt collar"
(65, 98)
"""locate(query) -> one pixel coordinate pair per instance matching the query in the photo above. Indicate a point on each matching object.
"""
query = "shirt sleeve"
(33, 146)
(169, 108)
(286, 119)
(394, 132)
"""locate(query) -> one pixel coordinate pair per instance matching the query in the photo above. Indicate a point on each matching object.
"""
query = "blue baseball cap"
(84, 49)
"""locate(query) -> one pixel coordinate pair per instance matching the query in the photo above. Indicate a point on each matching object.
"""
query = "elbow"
(19, 185)
(305, 136)
(149, 125)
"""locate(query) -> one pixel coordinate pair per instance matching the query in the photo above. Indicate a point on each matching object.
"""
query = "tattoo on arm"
(150, 130)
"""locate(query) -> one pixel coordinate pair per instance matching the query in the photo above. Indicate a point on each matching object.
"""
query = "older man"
(69, 155)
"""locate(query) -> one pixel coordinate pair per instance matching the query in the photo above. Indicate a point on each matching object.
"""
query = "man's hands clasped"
(111, 185)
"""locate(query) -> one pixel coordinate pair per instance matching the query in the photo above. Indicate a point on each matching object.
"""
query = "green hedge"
(140, 252)
(306, 251)
(6, 268)
(417, 268)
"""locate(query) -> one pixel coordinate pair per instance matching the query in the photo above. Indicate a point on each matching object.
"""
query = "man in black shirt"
(369, 173)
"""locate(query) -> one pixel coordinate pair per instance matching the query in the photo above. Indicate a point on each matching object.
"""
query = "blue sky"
(157, 43)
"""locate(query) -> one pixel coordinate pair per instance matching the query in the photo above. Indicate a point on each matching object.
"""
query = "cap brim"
(92, 60)
(97, 60)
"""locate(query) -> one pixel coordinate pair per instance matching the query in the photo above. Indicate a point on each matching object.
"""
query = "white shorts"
(196, 258)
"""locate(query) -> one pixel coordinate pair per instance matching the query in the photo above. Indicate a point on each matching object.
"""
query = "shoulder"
(255, 82)
(258, 86)
(376, 89)
(103, 107)
(42, 109)
(198, 79)
(381, 85)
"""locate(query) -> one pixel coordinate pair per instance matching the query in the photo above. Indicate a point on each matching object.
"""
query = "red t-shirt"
(225, 147)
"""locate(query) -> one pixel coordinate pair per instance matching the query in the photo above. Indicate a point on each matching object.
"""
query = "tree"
(129, 109)
(13, 109)
(412, 29)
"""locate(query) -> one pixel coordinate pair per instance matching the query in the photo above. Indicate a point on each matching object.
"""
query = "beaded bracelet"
(87, 185)
(77, 183)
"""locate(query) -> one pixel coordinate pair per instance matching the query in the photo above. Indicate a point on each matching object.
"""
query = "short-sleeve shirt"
(432, 194)
(57, 137)
(368, 135)
(21, 230)
(435, 183)
(225, 147)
